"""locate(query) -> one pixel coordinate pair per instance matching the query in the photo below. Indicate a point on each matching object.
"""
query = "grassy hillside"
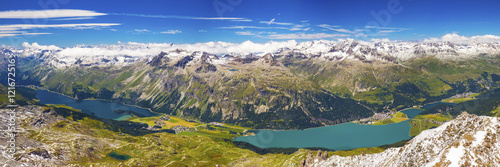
(83, 140)
(301, 94)
(409, 83)
(251, 96)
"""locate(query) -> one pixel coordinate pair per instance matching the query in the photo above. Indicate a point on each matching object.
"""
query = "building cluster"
(164, 118)
(180, 128)
(159, 123)
(376, 117)
(216, 124)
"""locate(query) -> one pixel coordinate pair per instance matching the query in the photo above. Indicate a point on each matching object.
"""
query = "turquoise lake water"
(98, 108)
(345, 136)
(411, 113)
(338, 137)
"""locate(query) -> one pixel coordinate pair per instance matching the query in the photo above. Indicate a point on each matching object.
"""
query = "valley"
(193, 108)
(238, 83)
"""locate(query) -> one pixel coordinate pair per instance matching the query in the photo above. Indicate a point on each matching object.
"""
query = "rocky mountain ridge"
(122, 55)
(303, 85)
(468, 140)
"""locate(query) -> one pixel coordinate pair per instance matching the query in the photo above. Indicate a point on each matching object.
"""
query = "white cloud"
(179, 17)
(202, 30)
(171, 32)
(455, 38)
(245, 33)
(273, 22)
(335, 28)
(305, 36)
(73, 18)
(386, 29)
(41, 47)
(253, 27)
(53, 13)
(141, 30)
(150, 49)
(300, 27)
(8, 29)
(245, 20)
(328, 26)
(38, 33)
(112, 29)
(304, 21)
(32, 26)
(8, 35)
(376, 40)
(341, 30)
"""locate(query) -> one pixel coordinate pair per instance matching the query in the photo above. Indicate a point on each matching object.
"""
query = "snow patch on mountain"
(379, 50)
(465, 141)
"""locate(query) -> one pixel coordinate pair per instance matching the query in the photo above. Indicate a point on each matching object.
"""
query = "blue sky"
(71, 22)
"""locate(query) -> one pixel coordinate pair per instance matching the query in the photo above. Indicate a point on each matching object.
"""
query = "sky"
(70, 22)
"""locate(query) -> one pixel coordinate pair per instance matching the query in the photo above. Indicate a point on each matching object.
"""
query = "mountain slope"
(465, 141)
(304, 85)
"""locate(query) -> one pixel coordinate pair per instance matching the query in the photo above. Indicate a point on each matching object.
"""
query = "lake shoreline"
(354, 127)
(100, 108)
(107, 100)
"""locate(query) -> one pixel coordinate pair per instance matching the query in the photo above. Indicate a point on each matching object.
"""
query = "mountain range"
(277, 85)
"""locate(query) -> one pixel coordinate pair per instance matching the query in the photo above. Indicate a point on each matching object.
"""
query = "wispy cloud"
(272, 21)
(253, 27)
(32, 26)
(22, 33)
(244, 33)
(171, 32)
(367, 31)
(13, 30)
(245, 20)
(73, 18)
(53, 13)
(300, 27)
(305, 36)
(255, 33)
(181, 17)
(8, 35)
(141, 30)
(377, 40)
(387, 29)
(335, 28)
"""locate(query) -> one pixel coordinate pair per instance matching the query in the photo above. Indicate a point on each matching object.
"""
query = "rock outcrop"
(468, 140)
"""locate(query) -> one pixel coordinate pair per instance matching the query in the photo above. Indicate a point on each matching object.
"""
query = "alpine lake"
(346, 136)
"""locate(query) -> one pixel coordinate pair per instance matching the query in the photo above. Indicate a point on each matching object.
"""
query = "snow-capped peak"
(323, 50)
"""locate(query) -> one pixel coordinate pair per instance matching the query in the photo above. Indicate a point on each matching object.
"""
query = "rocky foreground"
(468, 140)
(39, 143)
